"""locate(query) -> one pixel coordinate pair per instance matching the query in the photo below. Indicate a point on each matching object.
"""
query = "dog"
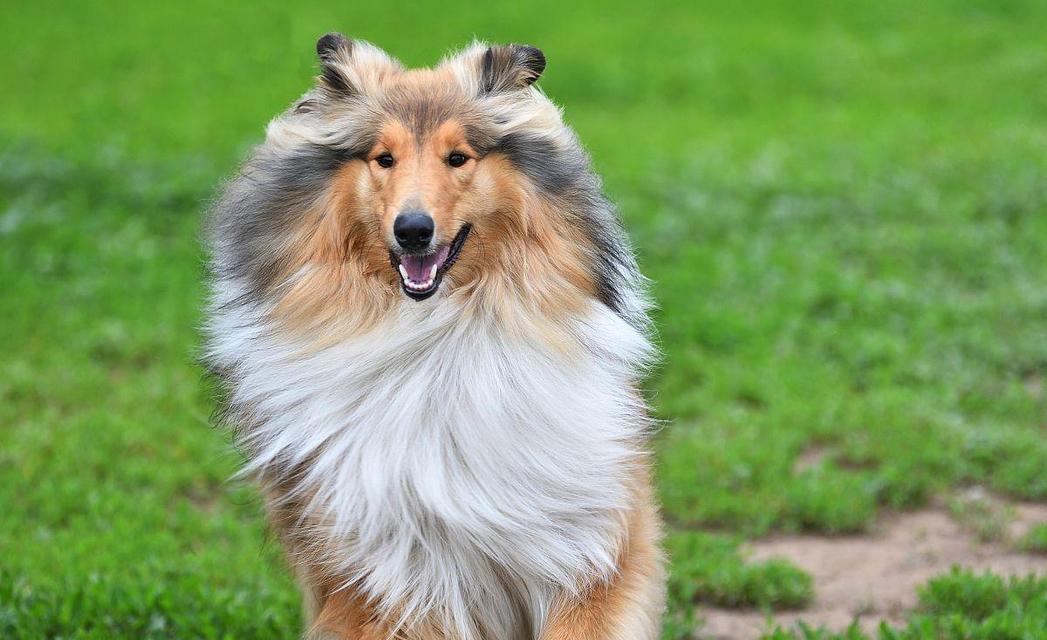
(430, 328)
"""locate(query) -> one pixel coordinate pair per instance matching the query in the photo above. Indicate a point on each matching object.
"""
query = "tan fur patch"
(346, 616)
(524, 263)
(338, 278)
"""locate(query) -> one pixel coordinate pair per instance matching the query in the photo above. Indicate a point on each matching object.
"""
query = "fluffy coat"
(469, 466)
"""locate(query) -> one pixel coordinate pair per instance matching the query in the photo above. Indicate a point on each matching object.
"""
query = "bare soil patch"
(873, 578)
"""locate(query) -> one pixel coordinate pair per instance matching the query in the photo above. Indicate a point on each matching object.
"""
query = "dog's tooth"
(432, 273)
(403, 272)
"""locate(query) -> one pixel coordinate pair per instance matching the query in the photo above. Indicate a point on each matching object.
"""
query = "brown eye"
(385, 161)
(457, 159)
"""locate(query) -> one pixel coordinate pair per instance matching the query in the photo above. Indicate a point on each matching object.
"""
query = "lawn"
(843, 211)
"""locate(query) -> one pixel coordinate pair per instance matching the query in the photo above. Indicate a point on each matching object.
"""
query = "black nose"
(413, 230)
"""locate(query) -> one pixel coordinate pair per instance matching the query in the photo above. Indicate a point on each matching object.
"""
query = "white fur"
(449, 453)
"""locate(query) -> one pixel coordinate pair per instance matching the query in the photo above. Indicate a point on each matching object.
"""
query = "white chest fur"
(457, 470)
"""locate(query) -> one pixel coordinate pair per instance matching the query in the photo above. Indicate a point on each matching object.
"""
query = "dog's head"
(384, 184)
(427, 169)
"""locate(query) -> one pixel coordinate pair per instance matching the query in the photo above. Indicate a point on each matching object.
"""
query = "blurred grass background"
(843, 207)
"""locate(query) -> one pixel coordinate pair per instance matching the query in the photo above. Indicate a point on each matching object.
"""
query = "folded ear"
(511, 66)
(334, 50)
(351, 67)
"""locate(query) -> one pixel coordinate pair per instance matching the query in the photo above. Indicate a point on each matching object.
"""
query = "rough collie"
(431, 326)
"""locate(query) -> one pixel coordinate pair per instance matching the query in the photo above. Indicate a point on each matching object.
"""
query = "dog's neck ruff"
(456, 472)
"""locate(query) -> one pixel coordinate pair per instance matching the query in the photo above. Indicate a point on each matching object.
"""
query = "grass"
(960, 604)
(1035, 540)
(982, 515)
(708, 568)
(842, 209)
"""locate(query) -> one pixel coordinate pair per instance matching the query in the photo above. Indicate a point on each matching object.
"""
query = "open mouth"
(420, 275)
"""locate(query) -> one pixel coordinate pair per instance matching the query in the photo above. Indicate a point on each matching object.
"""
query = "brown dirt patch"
(874, 578)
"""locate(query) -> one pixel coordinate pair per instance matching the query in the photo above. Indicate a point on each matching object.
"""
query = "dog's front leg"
(629, 607)
(343, 615)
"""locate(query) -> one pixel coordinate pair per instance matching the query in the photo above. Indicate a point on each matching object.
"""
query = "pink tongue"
(419, 267)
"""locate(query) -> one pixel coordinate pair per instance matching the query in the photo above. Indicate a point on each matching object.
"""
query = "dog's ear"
(509, 67)
(351, 67)
(335, 51)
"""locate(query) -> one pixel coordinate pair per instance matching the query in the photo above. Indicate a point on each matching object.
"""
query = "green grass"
(961, 604)
(1035, 540)
(843, 209)
(708, 568)
(983, 516)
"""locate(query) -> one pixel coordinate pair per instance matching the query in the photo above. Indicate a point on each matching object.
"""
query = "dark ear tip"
(535, 56)
(331, 42)
(532, 59)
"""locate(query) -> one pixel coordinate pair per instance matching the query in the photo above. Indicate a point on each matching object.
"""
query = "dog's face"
(423, 194)
(384, 184)
(426, 169)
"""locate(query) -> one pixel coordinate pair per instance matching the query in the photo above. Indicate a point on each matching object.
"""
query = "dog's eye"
(385, 161)
(457, 159)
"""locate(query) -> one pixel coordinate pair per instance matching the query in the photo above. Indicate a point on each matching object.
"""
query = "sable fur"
(466, 467)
